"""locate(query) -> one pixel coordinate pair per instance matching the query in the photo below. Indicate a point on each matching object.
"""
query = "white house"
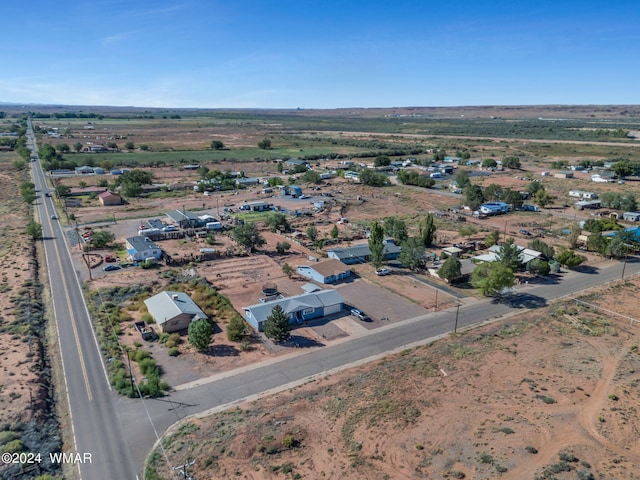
(173, 311)
(140, 248)
(329, 271)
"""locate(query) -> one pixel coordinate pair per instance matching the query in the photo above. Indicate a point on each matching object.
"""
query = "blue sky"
(329, 54)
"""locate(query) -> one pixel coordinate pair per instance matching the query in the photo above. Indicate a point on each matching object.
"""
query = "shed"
(299, 308)
(109, 198)
(453, 251)
(173, 311)
(631, 216)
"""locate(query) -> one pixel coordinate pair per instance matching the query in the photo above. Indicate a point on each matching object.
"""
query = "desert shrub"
(149, 367)
(506, 430)
(164, 336)
(457, 474)
(287, 468)
(531, 449)
(7, 436)
(559, 467)
(486, 458)
(147, 318)
(567, 457)
(140, 355)
(585, 475)
(288, 441)
(501, 469)
(14, 446)
(174, 352)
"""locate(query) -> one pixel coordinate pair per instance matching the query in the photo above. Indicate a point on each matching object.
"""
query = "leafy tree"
(543, 198)
(277, 326)
(450, 269)
(282, 247)
(493, 192)
(19, 165)
(511, 162)
(312, 233)
(63, 148)
(372, 178)
(624, 168)
(334, 232)
(217, 145)
(509, 255)
(492, 238)
(102, 238)
(617, 246)
(277, 221)
(129, 145)
(236, 329)
(411, 177)
(396, 228)
(141, 177)
(474, 196)
(382, 161)
(63, 190)
(512, 197)
(144, 147)
(492, 278)
(103, 182)
(77, 147)
(28, 192)
(287, 270)
(34, 230)
(200, 334)
(467, 230)
(597, 243)
(572, 238)
(264, 144)
(537, 266)
(131, 189)
(592, 225)
(570, 259)
(540, 246)
(82, 184)
(248, 236)
(428, 231)
(489, 163)
(533, 187)
(311, 176)
(462, 179)
(413, 254)
(376, 244)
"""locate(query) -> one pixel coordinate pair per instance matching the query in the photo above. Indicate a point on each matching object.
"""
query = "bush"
(140, 355)
(14, 446)
(236, 329)
(567, 457)
(149, 367)
(531, 449)
(174, 352)
(486, 458)
(288, 441)
(147, 318)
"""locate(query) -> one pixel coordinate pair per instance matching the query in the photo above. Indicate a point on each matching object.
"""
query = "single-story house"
(466, 269)
(329, 271)
(185, 219)
(258, 206)
(141, 248)
(109, 198)
(563, 175)
(294, 162)
(173, 311)
(245, 182)
(494, 208)
(631, 216)
(85, 170)
(590, 204)
(526, 255)
(299, 308)
(360, 253)
(452, 251)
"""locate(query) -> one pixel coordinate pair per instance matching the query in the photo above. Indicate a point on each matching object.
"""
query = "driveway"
(379, 303)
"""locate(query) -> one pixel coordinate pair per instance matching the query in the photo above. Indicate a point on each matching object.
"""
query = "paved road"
(95, 424)
(167, 411)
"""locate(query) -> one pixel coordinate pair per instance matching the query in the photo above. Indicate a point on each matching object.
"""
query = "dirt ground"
(547, 394)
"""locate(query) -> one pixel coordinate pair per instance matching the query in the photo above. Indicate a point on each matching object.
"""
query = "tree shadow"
(299, 341)
(223, 351)
(588, 269)
(521, 300)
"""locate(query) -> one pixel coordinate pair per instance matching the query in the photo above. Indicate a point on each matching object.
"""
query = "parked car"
(110, 268)
(359, 314)
(54, 217)
(525, 232)
(383, 271)
(170, 228)
(109, 258)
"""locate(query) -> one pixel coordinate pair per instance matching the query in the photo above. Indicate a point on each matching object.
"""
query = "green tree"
(574, 233)
(82, 184)
(312, 234)
(474, 196)
(624, 168)
(102, 238)
(63, 190)
(217, 145)
(467, 230)
(311, 176)
(492, 278)
(63, 148)
(489, 163)
(144, 147)
(492, 238)
(511, 162)
(413, 254)
(597, 243)
(287, 270)
(617, 247)
(570, 259)
(334, 232)
(534, 187)
(200, 334)
(248, 236)
(376, 244)
(462, 179)
(28, 192)
(396, 228)
(382, 161)
(451, 269)
(277, 221)
(543, 198)
(428, 231)
(277, 326)
(372, 178)
(537, 266)
(264, 144)
(129, 145)
(19, 165)
(131, 189)
(77, 147)
(236, 329)
(493, 192)
(540, 246)
(509, 255)
(34, 230)
(512, 197)
(282, 247)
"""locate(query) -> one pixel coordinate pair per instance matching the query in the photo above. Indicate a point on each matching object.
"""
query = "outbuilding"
(109, 198)
(631, 216)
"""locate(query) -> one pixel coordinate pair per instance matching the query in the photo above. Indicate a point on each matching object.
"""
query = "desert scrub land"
(548, 394)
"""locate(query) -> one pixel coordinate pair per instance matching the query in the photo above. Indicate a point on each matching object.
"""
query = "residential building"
(360, 253)
(494, 208)
(185, 219)
(256, 206)
(631, 216)
(140, 248)
(329, 271)
(109, 198)
(298, 308)
(173, 311)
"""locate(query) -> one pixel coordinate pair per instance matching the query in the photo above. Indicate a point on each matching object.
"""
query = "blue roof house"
(299, 308)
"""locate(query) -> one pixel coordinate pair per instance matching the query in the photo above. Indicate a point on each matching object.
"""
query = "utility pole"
(455, 326)
(624, 266)
(130, 373)
(183, 469)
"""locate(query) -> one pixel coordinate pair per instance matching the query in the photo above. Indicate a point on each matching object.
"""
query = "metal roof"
(167, 305)
(296, 303)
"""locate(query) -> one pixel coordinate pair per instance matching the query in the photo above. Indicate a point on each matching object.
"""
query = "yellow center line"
(73, 320)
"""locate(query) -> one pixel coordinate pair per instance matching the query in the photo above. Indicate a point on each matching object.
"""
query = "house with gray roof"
(329, 271)
(173, 311)
(140, 248)
(299, 308)
(185, 219)
(360, 253)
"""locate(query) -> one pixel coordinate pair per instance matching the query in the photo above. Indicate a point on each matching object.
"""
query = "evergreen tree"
(376, 244)
(200, 333)
(509, 255)
(277, 326)
(450, 269)
(428, 231)
(236, 329)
